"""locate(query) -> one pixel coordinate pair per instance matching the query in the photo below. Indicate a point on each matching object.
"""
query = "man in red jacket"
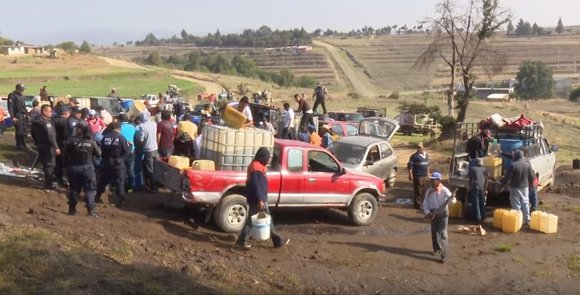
(257, 198)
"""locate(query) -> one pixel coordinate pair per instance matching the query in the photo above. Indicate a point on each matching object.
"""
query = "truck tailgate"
(168, 176)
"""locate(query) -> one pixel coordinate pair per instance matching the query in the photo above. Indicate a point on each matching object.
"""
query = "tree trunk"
(451, 96)
(463, 110)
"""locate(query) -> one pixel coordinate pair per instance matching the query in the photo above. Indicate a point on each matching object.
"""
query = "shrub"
(575, 94)
(353, 95)
(394, 95)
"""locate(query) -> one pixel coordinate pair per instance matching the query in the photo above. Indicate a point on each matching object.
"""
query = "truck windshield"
(350, 155)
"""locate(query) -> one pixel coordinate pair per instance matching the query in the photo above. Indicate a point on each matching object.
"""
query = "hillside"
(84, 75)
(389, 59)
(314, 64)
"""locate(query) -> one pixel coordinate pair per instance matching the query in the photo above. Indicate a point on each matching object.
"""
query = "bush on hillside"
(395, 95)
(575, 95)
(354, 95)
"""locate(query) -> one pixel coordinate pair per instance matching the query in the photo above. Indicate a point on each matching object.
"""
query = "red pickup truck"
(299, 175)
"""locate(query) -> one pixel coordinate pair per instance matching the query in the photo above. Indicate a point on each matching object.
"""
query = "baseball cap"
(20, 86)
(92, 112)
(436, 175)
(420, 145)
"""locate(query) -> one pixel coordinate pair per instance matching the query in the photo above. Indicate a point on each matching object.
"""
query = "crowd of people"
(89, 150)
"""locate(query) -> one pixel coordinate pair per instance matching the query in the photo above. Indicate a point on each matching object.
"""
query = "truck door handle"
(311, 179)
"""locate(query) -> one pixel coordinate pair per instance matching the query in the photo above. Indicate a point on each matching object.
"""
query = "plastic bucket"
(137, 107)
(260, 226)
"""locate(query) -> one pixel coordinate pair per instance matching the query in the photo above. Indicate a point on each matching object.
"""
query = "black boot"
(72, 209)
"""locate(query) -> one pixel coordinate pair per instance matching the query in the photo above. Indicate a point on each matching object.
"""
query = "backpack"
(184, 137)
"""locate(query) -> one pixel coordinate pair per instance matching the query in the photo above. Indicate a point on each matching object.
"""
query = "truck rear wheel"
(231, 213)
(363, 209)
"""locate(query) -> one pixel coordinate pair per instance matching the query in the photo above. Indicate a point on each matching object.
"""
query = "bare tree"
(461, 36)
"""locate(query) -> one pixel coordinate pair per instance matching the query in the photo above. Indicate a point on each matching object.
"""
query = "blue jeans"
(477, 204)
(130, 165)
(520, 200)
(534, 200)
(138, 171)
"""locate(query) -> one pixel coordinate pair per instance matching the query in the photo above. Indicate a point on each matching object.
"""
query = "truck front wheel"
(231, 213)
(363, 209)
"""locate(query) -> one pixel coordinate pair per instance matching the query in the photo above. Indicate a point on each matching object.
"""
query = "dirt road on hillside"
(358, 80)
(122, 63)
(210, 87)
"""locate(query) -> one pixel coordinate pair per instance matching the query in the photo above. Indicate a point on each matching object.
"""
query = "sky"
(106, 21)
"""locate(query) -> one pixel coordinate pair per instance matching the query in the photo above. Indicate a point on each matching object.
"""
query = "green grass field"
(86, 76)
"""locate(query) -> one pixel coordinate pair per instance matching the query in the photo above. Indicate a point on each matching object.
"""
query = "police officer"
(78, 157)
(115, 148)
(62, 135)
(74, 119)
(44, 136)
(17, 109)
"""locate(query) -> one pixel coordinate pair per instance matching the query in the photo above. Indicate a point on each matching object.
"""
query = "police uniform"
(17, 109)
(115, 148)
(78, 157)
(62, 135)
(44, 136)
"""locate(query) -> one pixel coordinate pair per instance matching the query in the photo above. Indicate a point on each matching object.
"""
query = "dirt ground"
(326, 254)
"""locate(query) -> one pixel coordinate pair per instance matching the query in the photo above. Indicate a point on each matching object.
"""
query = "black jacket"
(62, 131)
(43, 132)
(16, 104)
(78, 152)
(115, 148)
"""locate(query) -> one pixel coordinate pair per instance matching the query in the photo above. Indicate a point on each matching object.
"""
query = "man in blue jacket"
(257, 198)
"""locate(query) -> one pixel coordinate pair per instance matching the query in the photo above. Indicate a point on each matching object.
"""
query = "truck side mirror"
(554, 148)
(368, 163)
(342, 171)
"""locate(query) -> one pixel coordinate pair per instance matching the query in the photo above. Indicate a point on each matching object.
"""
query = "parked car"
(379, 127)
(345, 116)
(151, 99)
(369, 111)
(370, 154)
(111, 105)
(299, 175)
(341, 128)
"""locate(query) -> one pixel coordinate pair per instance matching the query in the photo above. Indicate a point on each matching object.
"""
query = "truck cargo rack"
(530, 136)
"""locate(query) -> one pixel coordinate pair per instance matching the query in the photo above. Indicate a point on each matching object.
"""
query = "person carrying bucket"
(257, 198)
(435, 206)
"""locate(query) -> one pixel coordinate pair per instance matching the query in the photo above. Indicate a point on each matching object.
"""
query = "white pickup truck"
(539, 152)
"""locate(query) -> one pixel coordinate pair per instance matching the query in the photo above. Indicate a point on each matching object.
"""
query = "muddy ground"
(149, 241)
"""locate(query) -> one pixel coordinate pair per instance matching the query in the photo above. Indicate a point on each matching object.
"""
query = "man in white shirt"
(288, 117)
(243, 106)
(435, 207)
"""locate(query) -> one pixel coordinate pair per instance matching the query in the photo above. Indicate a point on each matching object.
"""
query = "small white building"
(22, 49)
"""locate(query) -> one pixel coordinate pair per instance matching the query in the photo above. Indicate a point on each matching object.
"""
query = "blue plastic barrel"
(127, 104)
(507, 146)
